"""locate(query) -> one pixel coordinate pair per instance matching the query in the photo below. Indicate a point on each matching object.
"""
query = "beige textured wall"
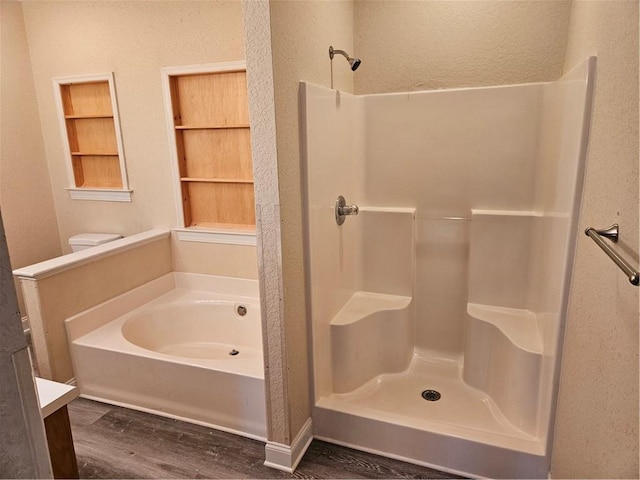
(55, 298)
(301, 33)
(597, 419)
(410, 45)
(265, 170)
(25, 191)
(133, 39)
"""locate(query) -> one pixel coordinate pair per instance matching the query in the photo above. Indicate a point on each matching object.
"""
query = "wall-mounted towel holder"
(612, 234)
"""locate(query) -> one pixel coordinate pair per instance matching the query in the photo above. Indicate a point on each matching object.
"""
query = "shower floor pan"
(462, 432)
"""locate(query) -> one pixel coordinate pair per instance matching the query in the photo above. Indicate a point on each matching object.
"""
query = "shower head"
(354, 63)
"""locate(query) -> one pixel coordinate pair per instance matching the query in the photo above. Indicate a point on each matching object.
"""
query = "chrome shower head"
(354, 63)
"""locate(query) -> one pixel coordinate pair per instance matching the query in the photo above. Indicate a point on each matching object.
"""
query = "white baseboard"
(286, 457)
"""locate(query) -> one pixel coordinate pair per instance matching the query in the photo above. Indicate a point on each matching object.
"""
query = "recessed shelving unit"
(208, 120)
(91, 136)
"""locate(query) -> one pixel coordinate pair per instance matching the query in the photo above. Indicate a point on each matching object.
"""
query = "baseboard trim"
(286, 457)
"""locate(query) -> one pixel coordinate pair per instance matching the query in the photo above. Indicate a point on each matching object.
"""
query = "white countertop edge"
(75, 259)
(53, 395)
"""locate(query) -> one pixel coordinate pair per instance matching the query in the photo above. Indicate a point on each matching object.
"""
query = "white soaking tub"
(185, 346)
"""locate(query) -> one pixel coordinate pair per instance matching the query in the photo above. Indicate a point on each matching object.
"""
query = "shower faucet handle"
(348, 210)
(342, 210)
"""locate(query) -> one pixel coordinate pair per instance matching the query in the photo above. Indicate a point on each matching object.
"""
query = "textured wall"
(134, 40)
(301, 33)
(415, 45)
(597, 418)
(25, 191)
(265, 171)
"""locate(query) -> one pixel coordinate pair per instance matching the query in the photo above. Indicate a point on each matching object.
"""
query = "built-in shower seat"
(370, 335)
(507, 309)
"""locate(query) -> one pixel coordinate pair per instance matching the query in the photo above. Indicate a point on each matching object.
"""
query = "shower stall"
(438, 310)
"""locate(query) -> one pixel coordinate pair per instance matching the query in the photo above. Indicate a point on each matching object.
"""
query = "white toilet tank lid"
(93, 238)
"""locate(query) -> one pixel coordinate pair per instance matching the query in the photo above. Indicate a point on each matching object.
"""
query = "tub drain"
(234, 352)
(431, 395)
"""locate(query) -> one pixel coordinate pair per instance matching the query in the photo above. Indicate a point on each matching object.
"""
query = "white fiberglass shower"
(438, 310)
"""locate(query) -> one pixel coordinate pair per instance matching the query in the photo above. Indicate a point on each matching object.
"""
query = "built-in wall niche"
(208, 121)
(92, 140)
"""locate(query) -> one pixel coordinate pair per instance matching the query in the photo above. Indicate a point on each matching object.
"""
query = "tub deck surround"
(495, 175)
(59, 288)
(177, 347)
(56, 265)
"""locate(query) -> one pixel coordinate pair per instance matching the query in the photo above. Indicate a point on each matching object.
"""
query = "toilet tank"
(83, 241)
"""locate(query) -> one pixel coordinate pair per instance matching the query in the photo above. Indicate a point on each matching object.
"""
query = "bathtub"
(185, 346)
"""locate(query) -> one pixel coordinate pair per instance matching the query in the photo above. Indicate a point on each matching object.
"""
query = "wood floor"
(115, 442)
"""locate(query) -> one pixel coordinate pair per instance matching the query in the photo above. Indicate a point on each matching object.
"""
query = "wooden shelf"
(89, 116)
(86, 98)
(240, 227)
(100, 171)
(216, 180)
(210, 115)
(208, 127)
(96, 154)
(225, 203)
(75, 117)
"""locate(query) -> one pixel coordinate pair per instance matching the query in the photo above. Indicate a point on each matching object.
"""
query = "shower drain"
(431, 395)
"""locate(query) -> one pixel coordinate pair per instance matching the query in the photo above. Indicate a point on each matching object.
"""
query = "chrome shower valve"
(342, 210)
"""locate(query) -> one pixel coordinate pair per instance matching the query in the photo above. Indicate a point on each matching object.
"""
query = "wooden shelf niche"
(92, 138)
(209, 119)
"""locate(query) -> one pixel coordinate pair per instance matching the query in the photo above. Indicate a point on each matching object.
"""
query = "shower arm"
(354, 63)
(333, 51)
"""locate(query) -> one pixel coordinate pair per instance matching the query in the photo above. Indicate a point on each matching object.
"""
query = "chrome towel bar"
(612, 234)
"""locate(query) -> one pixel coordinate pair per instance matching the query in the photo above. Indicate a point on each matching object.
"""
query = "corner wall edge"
(286, 457)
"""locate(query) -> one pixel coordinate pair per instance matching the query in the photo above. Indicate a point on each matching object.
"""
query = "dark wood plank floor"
(115, 442)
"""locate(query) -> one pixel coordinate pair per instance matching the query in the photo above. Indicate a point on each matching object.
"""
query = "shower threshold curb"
(444, 451)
